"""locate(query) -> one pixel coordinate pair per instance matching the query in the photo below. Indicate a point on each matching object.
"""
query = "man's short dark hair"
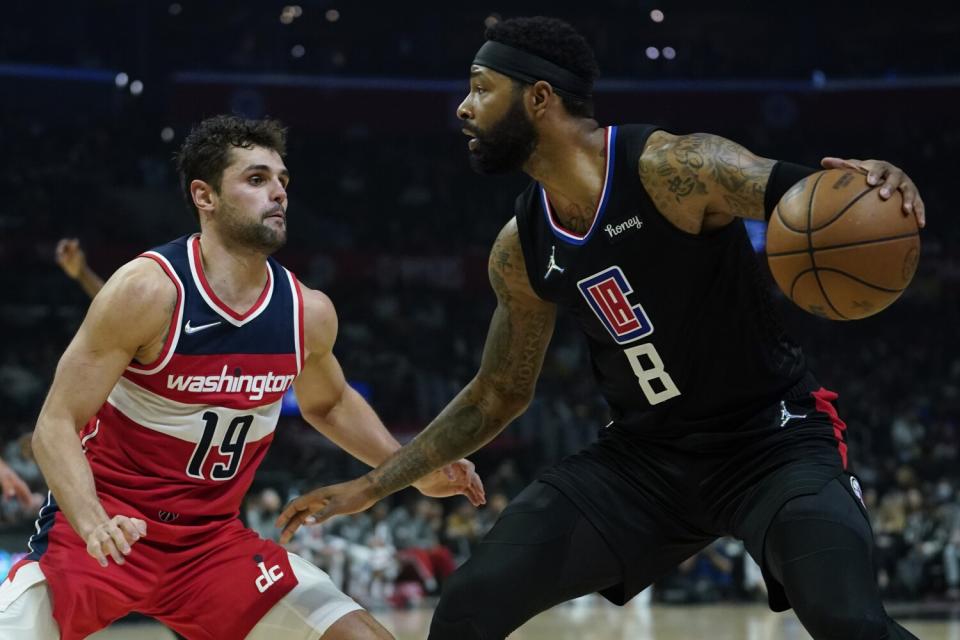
(556, 41)
(206, 151)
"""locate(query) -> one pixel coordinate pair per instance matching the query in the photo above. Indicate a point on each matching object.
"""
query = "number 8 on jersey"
(606, 293)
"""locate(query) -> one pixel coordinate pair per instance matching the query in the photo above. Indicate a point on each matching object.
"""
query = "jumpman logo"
(552, 263)
(786, 416)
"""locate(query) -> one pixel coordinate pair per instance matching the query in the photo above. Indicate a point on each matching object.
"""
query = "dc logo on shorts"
(606, 293)
(857, 491)
(267, 577)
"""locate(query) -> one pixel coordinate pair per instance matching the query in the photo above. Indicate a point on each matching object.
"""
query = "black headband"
(528, 67)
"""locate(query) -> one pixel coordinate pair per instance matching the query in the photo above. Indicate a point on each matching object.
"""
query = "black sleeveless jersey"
(683, 338)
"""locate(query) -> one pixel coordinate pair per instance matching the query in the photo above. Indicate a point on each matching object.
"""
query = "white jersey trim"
(172, 345)
(297, 303)
(220, 311)
(36, 524)
(92, 434)
(184, 421)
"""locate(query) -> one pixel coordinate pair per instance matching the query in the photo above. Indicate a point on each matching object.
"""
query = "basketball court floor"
(593, 619)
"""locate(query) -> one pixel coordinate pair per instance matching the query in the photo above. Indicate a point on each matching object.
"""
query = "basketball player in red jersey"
(719, 427)
(162, 408)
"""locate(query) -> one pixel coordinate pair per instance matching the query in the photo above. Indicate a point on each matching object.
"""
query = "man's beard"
(505, 146)
(258, 236)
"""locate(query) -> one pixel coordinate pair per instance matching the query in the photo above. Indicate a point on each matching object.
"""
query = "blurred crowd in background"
(386, 217)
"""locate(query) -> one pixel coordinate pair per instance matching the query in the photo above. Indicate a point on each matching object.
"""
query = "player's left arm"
(340, 413)
(701, 179)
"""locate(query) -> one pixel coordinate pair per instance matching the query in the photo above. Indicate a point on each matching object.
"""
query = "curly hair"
(206, 151)
(556, 41)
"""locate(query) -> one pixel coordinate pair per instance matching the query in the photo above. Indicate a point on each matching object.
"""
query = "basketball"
(837, 249)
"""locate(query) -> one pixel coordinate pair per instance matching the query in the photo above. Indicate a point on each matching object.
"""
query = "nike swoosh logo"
(188, 329)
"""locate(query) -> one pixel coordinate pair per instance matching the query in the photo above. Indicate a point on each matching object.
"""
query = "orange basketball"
(837, 249)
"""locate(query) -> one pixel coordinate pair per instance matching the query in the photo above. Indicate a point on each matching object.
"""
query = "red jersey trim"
(825, 399)
(210, 297)
(173, 333)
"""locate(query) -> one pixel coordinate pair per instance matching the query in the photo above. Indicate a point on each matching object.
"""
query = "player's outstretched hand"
(890, 177)
(458, 478)
(114, 538)
(324, 503)
(70, 257)
(14, 487)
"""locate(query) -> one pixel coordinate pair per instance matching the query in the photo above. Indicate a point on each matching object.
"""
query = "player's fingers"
(893, 181)
(473, 497)
(840, 163)
(877, 173)
(110, 547)
(101, 545)
(291, 510)
(118, 538)
(920, 211)
(910, 195)
(477, 494)
(141, 526)
(477, 484)
(130, 531)
(292, 527)
(96, 550)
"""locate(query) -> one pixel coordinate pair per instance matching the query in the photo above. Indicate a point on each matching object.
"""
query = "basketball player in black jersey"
(718, 426)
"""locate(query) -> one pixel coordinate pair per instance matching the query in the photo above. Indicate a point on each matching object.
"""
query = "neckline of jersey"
(213, 301)
(566, 235)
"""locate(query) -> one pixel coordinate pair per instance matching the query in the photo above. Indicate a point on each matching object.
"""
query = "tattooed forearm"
(701, 173)
(520, 330)
(462, 428)
(521, 326)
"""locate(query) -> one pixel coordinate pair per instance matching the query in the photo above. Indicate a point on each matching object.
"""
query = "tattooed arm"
(517, 340)
(702, 181)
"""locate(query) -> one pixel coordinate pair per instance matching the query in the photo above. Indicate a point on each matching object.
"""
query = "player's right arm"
(128, 320)
(517, 340)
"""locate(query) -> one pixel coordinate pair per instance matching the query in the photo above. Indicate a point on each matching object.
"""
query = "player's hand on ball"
(114, 538)
(890, 178)
(70, 257)
(324, 503)
(458, 478)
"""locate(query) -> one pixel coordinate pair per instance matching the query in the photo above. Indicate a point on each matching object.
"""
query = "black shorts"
(656, 503)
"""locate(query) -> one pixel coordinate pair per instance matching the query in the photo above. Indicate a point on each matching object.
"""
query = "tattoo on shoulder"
(708, 168)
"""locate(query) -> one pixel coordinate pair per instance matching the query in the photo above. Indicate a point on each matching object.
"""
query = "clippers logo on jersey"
(606, 293)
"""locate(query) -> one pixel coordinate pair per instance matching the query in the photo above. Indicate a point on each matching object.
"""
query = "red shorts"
(209, 582)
